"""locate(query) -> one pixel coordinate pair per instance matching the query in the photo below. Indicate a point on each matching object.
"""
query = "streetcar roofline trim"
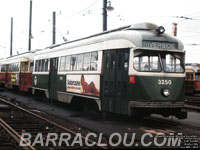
(105, 45)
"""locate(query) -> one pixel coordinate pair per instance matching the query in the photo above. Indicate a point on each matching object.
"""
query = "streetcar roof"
(193, 66)
(125, 37)
(24, 57)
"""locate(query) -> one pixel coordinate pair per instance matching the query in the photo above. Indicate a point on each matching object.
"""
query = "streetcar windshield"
(147, 61)
(172, 62)
(155, 61)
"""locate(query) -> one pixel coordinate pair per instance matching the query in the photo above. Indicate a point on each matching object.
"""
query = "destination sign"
(159, 45)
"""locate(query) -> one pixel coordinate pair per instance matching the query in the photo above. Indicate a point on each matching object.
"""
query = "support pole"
(104, 15)
(11, 37)
(54, 27)
(30, 27)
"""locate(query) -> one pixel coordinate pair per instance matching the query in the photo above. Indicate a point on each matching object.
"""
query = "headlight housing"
(166, 92)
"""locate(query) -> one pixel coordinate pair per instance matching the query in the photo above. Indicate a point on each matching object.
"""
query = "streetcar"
(16, 72)
(136, 68)
(192, 79)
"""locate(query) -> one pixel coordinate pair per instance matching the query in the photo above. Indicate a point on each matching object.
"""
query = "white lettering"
(77, 140)
(24, 139)
(100, 140)
(115, 143)
(87, 139)
(159, 136)
(38, 140)
(53, 139)
(62, 139)
(175, 140)
(125, 140)
(142, 139)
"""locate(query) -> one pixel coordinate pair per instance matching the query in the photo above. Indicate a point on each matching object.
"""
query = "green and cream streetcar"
(137, 68)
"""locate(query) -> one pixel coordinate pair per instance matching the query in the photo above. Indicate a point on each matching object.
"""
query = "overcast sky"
(79, 18)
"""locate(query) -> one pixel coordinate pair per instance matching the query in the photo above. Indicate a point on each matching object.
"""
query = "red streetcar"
(192, 79)
(16, 72)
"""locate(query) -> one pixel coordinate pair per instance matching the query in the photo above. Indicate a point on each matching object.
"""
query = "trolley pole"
(30, 27)
(104, 15)
(54, 27)
(11, 36)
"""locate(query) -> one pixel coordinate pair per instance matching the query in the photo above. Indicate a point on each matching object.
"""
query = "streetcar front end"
(156, 76)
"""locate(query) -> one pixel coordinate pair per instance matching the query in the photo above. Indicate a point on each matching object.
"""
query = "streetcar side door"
(53, 78)
(115, 81)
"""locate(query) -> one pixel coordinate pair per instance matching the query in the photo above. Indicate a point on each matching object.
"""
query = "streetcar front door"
(53, 78)
(115, 81)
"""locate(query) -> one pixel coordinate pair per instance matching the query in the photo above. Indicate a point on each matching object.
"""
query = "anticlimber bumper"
(139, 104)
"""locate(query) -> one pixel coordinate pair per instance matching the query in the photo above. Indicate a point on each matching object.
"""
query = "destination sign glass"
(159, 45)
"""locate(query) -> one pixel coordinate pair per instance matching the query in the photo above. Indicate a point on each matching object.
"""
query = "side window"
(31, 67)
(40, 66)
(42, 63)
(73, 62)
(46, 63)
(3, 68)
(67, 63)
(86, 61)
(36, 65)
(17, 67)
(62, 63)
(94, 61)
(24, 66)
(80, 62)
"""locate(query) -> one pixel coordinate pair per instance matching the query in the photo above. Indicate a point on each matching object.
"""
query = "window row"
(13, 67)
(85, 62)
(41, 65)
(3, 68)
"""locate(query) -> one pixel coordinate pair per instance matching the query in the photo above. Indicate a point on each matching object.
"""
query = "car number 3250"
(164, 82)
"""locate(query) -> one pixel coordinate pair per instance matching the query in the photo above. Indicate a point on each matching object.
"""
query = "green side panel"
(41, 81)
(61, 82)
(150, 89)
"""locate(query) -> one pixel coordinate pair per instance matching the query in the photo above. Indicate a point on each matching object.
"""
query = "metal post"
(54, 27)
(30, 27)
(104, 15)
(11, 37)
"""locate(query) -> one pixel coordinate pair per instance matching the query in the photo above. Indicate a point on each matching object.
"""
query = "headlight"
(166, 92)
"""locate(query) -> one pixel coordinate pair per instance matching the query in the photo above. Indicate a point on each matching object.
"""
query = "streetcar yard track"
(173, 123)
(34, 130)
(20, 125)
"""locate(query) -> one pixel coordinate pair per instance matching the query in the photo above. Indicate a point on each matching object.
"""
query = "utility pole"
(30, 27)
(54, 27)
(11, 36)
(104, 15)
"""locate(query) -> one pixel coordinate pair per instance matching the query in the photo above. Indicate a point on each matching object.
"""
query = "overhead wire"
(84, 9)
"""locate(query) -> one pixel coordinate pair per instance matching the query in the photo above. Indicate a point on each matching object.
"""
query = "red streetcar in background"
(192, 79)
(16, 72)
